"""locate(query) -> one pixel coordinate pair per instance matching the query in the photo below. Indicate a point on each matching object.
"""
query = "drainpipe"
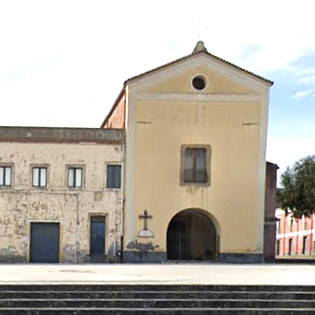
(122, 199)
(115, 238)
(76, 228)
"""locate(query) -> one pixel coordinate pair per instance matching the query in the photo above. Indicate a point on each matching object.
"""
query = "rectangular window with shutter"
(113, 176)
(195, 165)
(75, 175)
(39, 176)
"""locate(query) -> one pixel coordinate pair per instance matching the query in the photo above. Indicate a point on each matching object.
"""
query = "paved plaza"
(277, 274)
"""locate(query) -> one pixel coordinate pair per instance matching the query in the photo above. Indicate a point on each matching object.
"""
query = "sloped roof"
(199, 49)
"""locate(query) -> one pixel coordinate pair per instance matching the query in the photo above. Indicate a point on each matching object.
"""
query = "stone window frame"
(204, 77)
(40, 165)
(75, 166)
(11, 165)
(208, 149)
(121, 175)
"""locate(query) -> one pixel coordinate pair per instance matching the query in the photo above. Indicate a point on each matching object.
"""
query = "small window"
(199, 82)
(279, 227)
(304, 250)
(278, 247)
(39, 178)
(195, 165)
(75, 177)
(5, 175)
(290, 251)
(291, 224)
(113, 176)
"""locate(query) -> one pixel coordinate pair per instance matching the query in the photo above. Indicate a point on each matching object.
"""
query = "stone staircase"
(156, 299)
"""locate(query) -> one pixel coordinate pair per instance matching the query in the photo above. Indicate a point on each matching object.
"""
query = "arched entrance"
(191, 235)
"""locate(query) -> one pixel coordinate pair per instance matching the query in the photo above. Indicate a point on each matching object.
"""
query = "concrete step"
(157, 295)
(155, 303)
(176, 288)
(156, 299)
(147, 311)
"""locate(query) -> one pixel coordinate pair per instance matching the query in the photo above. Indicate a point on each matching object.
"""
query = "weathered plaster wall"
(22, 204)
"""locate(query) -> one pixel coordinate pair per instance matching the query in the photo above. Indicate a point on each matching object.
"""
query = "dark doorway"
(191, 235)
(44, 243)
(97, 238)
(290, 246)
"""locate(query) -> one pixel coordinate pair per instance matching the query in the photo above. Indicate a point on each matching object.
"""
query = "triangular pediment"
(220, 78)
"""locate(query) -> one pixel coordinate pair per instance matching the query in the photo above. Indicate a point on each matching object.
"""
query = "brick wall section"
(116, 119)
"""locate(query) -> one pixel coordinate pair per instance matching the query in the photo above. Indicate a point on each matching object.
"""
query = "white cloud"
(309, 80)
(302, 94)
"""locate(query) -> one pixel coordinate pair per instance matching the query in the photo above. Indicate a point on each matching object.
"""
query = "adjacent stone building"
(177, 171)
(55, 194)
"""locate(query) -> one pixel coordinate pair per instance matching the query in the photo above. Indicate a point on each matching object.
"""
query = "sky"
(63, 63)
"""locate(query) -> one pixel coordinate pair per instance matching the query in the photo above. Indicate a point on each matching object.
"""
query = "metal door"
(97, 236)
(44, 242)
(178, 241)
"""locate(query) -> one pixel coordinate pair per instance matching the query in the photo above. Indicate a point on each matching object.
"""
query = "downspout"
(115, 238)
(76, 228)
(122, 200)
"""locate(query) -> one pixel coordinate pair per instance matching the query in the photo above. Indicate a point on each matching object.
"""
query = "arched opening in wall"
(191, 235)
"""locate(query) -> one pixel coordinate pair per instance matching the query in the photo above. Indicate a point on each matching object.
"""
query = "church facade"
(177, 171)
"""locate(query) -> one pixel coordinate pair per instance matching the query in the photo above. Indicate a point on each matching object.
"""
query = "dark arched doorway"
(191, 235)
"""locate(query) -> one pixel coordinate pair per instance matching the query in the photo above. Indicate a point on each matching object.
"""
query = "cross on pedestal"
(145, 217)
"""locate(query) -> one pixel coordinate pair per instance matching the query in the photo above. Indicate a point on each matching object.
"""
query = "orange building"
(295, 236)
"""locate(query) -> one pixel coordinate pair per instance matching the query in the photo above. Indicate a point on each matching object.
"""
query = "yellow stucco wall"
(230, 115)
(218, 83)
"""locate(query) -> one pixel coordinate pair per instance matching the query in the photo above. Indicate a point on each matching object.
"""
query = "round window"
(199, 82)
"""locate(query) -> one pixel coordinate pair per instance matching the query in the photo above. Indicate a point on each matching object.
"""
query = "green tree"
(298, 187)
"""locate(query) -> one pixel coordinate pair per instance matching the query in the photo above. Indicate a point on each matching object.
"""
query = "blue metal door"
(44, 242)
(97, 237)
